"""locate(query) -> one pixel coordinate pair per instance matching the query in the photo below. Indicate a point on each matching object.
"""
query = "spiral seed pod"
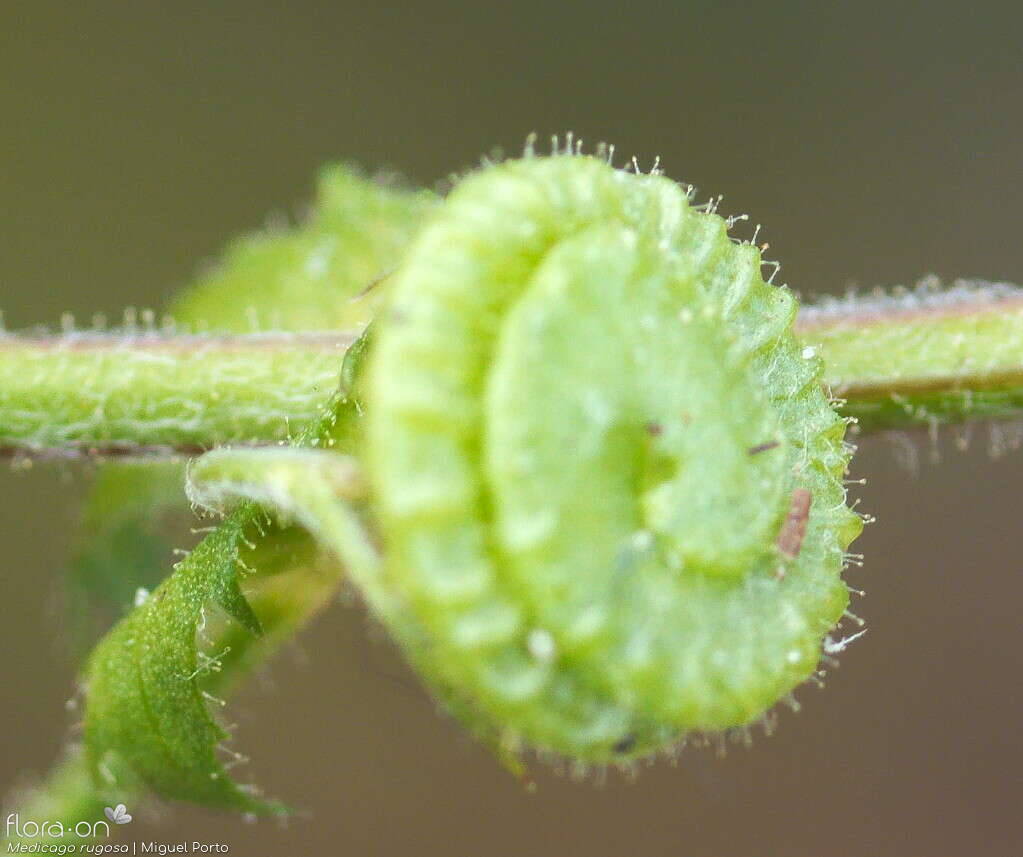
(607, 482)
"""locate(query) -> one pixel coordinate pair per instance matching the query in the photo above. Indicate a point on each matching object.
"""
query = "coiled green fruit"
(607, 483)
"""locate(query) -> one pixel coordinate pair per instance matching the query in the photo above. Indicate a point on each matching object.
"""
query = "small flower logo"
(118, 815)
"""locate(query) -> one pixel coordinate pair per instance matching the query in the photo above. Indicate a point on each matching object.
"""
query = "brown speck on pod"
(654, 429)
(764, 447)
(790, 538)
(376, 281)
(625, 744)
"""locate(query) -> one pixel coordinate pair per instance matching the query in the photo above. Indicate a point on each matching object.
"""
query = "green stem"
(924, 357)
(124, 394)
(919, 358)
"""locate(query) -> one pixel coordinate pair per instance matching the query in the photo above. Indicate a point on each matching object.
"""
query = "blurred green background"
(877, 142)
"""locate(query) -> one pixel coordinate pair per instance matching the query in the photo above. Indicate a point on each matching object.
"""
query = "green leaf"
(320, 275)
(146, 708)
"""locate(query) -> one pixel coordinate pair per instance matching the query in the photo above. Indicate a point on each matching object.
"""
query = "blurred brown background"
(877, 143)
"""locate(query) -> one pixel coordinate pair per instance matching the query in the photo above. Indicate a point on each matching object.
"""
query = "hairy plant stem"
(137, 394)
(921, 358)
(925, 357)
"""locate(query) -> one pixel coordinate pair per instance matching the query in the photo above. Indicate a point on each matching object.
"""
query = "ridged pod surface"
(588, 427)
